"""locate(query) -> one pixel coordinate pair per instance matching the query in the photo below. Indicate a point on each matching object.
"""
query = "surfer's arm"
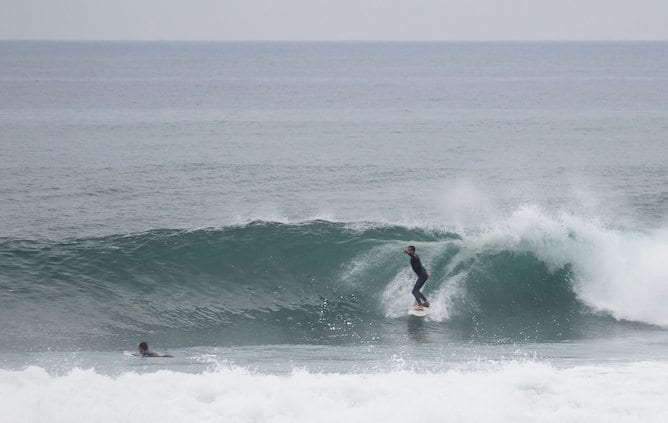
(157, 354)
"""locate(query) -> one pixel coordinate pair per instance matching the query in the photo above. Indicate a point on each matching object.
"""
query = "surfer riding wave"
(423, 276)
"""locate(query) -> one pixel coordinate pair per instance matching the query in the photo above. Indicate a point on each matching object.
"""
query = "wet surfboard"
(419, 313)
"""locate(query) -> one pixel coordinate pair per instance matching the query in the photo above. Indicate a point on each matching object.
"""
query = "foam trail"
(443, 298)
(397, 297)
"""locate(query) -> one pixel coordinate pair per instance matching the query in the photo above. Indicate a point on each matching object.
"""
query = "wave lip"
(616, 272)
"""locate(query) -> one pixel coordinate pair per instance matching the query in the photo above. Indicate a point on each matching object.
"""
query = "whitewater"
(511, 391)
(244, 207)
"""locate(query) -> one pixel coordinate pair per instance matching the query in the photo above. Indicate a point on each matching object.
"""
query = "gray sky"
(335, 19)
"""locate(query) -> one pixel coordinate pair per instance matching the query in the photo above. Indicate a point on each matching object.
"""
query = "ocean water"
(244, 208)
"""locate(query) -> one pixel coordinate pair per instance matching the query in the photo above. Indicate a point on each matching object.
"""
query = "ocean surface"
(244, 207)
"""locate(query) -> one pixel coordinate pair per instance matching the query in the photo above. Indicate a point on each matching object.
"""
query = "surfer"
(145, 352)
(423, 276)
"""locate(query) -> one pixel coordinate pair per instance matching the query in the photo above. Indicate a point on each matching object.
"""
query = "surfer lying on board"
(144, 351)
(423, 276)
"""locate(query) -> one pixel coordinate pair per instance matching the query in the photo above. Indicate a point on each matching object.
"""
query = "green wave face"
(316, 282)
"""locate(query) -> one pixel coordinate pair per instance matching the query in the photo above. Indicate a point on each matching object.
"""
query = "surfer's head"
(410, 250)
(143, 347)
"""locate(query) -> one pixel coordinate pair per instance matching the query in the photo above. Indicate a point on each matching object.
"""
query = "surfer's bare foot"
(425, 304)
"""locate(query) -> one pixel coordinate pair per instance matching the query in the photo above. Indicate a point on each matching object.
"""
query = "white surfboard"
(418, 312)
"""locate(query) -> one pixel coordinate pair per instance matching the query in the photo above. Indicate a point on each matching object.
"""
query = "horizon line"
(130, 40)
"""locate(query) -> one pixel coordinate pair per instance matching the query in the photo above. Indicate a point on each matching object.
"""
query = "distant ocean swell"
(531, 277)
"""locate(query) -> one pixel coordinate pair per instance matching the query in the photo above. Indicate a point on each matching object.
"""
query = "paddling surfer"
(145, 352)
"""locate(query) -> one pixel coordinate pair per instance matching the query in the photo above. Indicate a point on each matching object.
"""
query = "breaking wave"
(532, 276)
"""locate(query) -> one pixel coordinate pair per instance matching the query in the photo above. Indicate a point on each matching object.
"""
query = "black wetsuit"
(420, 271)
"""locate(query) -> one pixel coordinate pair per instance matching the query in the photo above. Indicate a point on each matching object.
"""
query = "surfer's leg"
(416, 290)
(416, 294)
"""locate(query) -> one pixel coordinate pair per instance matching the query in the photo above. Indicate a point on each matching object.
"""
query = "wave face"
(531, 277)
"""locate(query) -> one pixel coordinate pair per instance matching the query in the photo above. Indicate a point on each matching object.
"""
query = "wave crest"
(530, 277)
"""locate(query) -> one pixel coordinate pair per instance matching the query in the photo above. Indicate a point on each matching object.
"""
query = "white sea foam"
(396, 296)
(620, 272)
(478, 392)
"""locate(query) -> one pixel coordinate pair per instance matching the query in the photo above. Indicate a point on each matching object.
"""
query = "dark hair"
(143, 346)
(411, 247)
